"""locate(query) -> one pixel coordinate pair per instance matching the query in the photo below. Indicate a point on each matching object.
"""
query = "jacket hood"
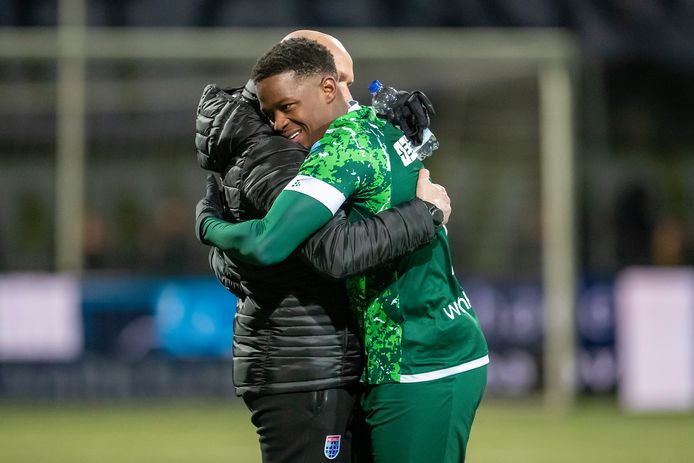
(228, 122)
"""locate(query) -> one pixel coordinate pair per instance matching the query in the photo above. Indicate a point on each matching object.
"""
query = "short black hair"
(302, 56)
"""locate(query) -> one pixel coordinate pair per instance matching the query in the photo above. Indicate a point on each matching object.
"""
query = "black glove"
(209, 206)
(411, 113)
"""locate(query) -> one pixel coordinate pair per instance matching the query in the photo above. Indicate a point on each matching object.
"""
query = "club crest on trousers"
(332, 446)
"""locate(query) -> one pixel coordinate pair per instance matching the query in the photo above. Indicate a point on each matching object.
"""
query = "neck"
(341, 108)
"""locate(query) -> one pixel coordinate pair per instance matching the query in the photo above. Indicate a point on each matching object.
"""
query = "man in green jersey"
(426, 356)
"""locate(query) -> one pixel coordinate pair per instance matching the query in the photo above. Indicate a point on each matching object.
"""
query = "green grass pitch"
(508, 431)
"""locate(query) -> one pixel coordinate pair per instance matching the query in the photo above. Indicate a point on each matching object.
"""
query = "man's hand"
(411, 113)
(434, 194)
(209, 206)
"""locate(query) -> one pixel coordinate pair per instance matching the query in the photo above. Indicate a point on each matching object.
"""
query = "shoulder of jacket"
(272, 151)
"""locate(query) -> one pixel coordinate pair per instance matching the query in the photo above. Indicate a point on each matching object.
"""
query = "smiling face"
(301, 108)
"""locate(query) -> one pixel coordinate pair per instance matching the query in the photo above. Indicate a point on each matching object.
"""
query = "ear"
(329, 88)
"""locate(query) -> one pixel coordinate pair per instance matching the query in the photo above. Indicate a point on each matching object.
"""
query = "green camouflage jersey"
(417, 321)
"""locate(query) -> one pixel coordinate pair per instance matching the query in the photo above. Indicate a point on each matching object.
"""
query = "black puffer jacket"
(293, 330)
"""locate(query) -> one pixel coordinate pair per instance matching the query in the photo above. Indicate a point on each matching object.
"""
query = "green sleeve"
(292, 218)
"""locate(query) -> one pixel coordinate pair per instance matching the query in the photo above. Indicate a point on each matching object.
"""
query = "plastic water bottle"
(383, 99)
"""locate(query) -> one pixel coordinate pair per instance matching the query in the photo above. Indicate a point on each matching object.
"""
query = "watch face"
(438, 216)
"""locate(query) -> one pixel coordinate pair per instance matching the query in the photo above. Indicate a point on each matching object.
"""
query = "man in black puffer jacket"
(297, 356)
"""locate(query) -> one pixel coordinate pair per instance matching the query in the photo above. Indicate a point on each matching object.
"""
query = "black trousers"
(308, 427)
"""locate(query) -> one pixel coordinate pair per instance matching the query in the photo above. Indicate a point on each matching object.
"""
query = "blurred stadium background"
(566, 129)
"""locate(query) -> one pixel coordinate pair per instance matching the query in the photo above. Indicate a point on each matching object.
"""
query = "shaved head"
(343, 62)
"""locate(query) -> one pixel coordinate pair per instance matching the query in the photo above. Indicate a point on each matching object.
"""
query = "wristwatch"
(436, 213)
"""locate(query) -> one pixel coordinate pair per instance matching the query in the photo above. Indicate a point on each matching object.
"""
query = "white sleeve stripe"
(317, 189)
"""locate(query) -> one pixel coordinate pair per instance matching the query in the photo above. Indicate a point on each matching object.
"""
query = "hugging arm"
(337, 250)
(341, 249)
